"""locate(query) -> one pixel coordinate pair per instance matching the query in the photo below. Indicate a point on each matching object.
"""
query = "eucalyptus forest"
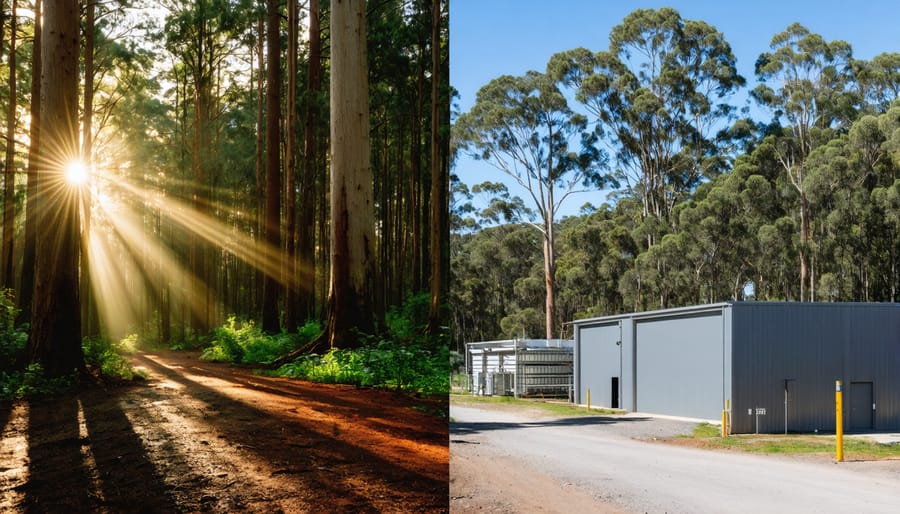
(203, 202)
(794, 196)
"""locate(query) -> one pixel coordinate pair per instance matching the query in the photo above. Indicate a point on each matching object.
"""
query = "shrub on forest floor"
(383, 364)
(32, 382)
(100, 355)
(12, 339)
(107, 358)
(245, 343)
(406, 358)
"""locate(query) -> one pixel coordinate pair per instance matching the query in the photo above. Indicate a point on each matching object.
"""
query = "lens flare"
(76, 173)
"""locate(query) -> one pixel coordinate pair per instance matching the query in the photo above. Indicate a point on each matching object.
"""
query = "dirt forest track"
(207, 437)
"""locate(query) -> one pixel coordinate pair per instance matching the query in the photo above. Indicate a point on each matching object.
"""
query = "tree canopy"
(709, 204)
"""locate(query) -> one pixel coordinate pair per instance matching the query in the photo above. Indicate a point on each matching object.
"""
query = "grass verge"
(555, 407)
(709, 437)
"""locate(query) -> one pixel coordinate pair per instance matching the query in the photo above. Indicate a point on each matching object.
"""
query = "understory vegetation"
(104, 359)
(404, 358)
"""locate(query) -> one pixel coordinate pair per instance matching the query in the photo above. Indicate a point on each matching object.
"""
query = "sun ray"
(130, 261)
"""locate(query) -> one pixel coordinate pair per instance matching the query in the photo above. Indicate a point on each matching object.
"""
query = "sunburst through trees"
(147, 208)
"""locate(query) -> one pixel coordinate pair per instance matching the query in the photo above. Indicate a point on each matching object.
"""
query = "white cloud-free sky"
(490, 38)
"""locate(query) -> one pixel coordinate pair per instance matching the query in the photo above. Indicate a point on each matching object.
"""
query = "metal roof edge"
(655, 313)
(696, 309)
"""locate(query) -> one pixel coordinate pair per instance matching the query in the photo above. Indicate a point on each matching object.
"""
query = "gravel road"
(598, 457)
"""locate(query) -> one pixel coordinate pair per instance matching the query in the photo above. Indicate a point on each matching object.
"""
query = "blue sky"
(489, 38)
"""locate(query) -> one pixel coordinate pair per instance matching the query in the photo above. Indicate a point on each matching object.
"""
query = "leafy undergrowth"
(709, 436)
(403, 359)
(387, 364)
(104, 359)
(243, 342)
(555, 407)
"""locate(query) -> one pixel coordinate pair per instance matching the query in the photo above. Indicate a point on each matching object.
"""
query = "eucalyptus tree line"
(659, 96)
(812, 87)
(801, 206)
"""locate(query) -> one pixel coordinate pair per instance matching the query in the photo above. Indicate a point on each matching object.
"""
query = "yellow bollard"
(588, 399)
(727, 417)
(724, 424)
(839, 421)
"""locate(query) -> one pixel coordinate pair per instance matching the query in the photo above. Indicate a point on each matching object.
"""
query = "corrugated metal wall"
(805, 348)
(669, 361)
(689, 361)
(599, 352)
(679, 365)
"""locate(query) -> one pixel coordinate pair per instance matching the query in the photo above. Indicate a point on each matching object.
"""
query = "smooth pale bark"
(55, 338)
(260, 147)
(352, 209)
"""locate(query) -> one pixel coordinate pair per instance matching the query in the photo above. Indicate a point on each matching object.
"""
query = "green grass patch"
(705, 430)
(709, 436)
(555, 407)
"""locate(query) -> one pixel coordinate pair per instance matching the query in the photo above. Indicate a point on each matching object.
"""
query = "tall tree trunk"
(416, 186)
(260, 153)
(352, 209)
(90, 312)
(306, 274)
(200, 167)
(273, 161)
(438, 207)
(290, 172)
(9, 175)
(32, 203)
(55, 339)
(550, 270)
(804, 249)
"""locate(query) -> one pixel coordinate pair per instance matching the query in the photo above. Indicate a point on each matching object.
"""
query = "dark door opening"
(614, 401)
(862, 403)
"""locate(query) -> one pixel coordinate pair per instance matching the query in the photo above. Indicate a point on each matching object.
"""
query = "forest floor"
(206, 437)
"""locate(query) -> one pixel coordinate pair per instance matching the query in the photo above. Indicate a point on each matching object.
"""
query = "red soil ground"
(205, 437)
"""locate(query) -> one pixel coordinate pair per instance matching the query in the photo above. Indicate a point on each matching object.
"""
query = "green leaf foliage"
(803, 206)
(108, 359)
(405, 358)
(244, 342)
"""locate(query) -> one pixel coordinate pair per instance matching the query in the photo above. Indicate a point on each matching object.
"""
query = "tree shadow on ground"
(6, 408)
(472, 428)
(310, 451)
(103, 468)
(324, 400)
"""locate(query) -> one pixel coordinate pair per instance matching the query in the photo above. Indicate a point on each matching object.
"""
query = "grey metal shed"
(773, 363)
